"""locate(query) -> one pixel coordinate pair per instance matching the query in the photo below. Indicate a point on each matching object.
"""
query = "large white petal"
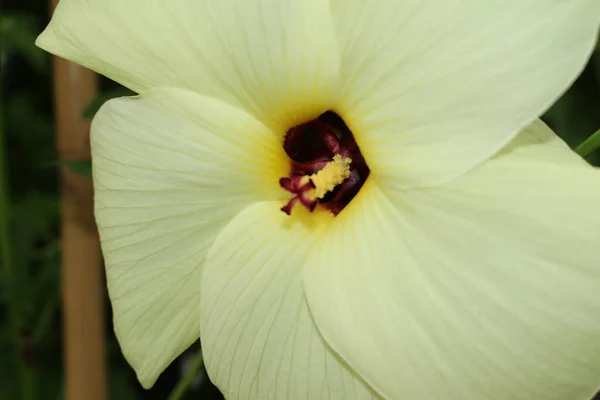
(538, 142)
(171, 168)
(278, 59)
(258, 337)
(432, 88)
(483, 288)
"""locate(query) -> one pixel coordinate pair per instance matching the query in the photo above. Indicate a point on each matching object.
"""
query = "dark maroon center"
(313, 144)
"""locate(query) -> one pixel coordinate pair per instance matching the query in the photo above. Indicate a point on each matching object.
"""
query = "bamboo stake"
(82, 275)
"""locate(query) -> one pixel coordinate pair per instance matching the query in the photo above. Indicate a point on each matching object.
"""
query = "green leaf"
(191, 373)
(93, 107)
(80, 167)
(590, 145)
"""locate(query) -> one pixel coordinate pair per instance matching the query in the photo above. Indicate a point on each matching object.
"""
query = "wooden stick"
(82, 274)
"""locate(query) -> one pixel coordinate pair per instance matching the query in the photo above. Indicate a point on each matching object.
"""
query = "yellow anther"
(334, 173)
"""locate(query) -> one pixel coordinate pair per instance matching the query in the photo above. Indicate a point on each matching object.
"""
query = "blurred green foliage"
(589, 146)
(30, 287)
(106, 95)
(576, 115)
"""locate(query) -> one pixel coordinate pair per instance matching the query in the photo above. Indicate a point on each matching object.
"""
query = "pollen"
(334, 173)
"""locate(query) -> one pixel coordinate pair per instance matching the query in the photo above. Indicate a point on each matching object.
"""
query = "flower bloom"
(346, 199)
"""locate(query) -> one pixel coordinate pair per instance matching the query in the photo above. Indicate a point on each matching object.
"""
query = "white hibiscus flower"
(430, 250)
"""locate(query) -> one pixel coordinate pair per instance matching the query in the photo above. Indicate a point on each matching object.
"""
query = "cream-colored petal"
(433, 88)
(258, 338)
(483, 288)
(277, 59)
(171, 168)
(538, 142)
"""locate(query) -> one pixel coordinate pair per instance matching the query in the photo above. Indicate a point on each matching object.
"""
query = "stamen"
(309, 189)
(334, 173)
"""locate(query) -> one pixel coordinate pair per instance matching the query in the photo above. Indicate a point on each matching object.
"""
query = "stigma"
(307, 190)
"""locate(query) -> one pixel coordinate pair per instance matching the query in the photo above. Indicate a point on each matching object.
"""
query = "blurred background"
(45, 220)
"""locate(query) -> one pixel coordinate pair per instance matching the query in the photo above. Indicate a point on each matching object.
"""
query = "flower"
(443, 254)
